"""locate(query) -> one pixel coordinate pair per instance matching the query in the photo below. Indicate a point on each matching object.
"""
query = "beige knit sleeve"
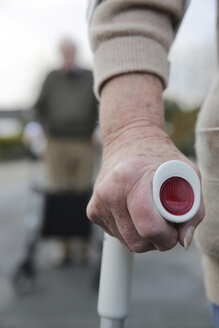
(133, 36)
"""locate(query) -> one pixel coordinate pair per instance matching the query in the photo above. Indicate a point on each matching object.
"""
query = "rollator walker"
(176, 195)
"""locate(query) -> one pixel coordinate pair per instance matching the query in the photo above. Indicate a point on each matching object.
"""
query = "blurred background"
(38, 286)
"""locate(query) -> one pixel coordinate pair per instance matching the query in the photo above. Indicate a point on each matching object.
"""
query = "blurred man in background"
(68, 111)
(67, 108)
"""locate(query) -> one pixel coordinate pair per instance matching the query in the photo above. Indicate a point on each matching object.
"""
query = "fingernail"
(188, 237)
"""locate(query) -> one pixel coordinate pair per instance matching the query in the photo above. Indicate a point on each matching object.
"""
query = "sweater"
(66, 105)
(135, 36)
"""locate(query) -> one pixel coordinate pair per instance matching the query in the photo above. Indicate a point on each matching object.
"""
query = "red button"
(176, 196)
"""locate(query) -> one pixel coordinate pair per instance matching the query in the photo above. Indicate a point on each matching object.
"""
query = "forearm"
(131, 112)
(130, 101)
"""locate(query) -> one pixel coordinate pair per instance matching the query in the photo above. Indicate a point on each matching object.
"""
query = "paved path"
(167, 287)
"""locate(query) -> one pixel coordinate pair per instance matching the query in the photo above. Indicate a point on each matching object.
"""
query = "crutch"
(176, 195)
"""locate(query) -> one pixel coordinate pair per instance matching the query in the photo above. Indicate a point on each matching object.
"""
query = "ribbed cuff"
(128, 55)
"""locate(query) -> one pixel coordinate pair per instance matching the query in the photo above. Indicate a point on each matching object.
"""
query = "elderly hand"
(134, 146)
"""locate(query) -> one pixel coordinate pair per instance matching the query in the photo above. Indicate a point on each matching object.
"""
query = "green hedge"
(181, 126)
(12, 147)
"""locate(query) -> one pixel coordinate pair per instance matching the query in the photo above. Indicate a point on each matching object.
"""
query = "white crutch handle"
(176, 195)
(115, 282)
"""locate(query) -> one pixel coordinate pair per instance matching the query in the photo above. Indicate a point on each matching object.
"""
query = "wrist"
(131, 105)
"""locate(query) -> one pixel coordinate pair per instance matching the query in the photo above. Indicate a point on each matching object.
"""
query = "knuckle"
(90, 213)
(169, 245)
(134, 242)
(119, 174)
(103, 190)
(149, 230)
(139, 247)
(93, 209)
(111, 189)
(111, 194)
(89, 210)
(163, 249)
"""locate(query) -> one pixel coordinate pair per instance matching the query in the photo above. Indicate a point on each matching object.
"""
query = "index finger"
(145, 217)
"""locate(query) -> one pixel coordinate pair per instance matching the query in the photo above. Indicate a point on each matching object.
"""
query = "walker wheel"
(23, 279)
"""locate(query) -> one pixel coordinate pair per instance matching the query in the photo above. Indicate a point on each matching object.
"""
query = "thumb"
(186, 230)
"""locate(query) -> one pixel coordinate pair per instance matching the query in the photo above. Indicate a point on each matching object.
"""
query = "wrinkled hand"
(122, 202)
